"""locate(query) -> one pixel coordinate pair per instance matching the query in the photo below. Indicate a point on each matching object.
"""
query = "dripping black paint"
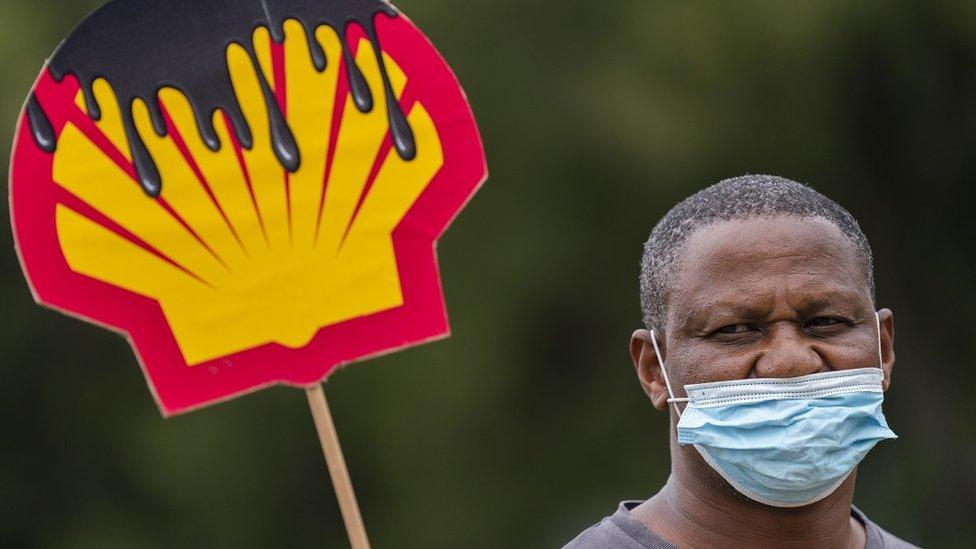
(140, 47)
(40, 127)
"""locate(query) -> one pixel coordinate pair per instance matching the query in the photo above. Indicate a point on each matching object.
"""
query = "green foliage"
(528, 424)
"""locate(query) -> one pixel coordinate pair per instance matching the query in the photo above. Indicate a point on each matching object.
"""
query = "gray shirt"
(622, 531)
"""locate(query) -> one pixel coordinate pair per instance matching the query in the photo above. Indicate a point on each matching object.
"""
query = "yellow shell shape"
(272, 260)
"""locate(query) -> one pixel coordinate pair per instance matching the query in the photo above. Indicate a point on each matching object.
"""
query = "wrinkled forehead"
(765, 262)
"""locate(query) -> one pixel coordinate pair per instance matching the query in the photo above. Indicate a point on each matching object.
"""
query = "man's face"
(773, 297)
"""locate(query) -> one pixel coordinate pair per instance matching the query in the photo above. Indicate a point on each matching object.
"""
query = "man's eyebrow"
(700, 315)
(830, 298)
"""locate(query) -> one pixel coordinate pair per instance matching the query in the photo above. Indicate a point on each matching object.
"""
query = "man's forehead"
(766, 238)
(742, 261)
(744, 246)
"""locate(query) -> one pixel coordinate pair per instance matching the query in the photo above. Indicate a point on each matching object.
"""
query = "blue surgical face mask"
(785, 442)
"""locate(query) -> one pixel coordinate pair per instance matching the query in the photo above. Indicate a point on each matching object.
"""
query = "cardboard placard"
(250, 191)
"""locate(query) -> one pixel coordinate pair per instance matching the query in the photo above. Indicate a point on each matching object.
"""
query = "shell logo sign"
(255, 206)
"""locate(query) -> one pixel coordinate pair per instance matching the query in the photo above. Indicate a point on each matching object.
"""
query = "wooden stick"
(337, 467)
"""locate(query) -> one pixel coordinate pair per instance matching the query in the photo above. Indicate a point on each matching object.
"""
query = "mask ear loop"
(877, 318)
(667, 381)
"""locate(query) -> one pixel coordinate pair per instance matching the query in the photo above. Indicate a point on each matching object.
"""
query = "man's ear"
(648, 368)
(887, 344)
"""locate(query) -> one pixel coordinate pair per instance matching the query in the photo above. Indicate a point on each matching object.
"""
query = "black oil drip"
(91, 104)
(282, 140)
(156, 116)
(40, 127)
(361, 95)
(139, 47)
(403, 139)
(146, 170)
(319, 60)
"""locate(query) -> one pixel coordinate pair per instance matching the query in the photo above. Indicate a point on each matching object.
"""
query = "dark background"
(528, 424)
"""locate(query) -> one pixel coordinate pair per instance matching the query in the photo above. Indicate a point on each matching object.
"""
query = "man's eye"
(734, 329)
(821, 321)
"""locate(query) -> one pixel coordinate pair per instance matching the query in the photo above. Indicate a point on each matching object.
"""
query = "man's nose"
(788, 354)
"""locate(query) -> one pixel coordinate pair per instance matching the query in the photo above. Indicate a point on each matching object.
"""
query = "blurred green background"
(528, 424)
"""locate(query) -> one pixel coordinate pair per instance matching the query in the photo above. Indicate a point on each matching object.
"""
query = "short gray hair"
(742, 197)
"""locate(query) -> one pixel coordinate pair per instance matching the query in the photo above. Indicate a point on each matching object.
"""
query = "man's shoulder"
(622, 531)
(619, 531)
(604, 534)
(877, 537)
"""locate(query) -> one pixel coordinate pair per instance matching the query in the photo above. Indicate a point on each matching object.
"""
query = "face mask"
(785, 442)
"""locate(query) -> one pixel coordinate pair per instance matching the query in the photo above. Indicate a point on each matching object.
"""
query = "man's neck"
(696, 510)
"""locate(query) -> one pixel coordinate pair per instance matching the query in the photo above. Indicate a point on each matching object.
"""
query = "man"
(763, 343)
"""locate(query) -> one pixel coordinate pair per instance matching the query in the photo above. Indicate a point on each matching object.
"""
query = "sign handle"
(337, 467)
